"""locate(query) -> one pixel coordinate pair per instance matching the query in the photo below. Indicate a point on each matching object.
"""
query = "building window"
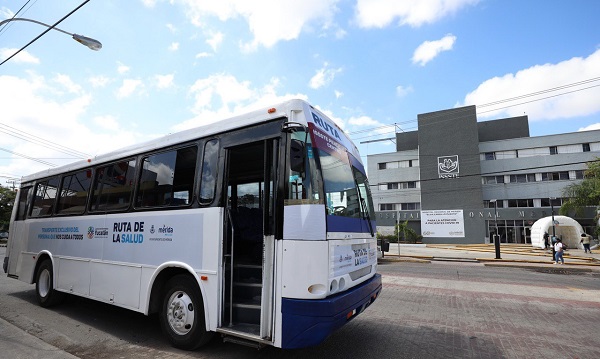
(392, 185)
(520, 203)
(553, 150)
(490, 156)
(586, 147)
(415, 206)
(381, 166)
(493, 179)
(555, 176)
(579, 174)
(387, 207)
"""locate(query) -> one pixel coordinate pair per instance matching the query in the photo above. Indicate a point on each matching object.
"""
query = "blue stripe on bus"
(308, 322)
(348, 224)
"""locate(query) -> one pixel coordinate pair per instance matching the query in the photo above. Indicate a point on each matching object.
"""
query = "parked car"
(3, 235)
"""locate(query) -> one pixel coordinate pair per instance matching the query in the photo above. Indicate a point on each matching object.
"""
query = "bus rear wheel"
(182, 314)
(44, 285)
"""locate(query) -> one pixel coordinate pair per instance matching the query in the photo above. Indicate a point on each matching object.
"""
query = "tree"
(7, 200)
(406, 232)
(584, 194)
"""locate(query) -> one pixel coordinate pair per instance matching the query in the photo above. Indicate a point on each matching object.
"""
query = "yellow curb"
(530, 261)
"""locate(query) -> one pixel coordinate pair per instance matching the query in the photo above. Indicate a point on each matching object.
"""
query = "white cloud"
(128, 87)
(202, 55)
(171, 28)
(381, 13)
(215, 40)
(164, 81)
(121, 68)
(221, 96)
(22, 57)
(6, 13)
(149, 3)
(67, 83)
(428, 50)
(323, 77)
(363, 121)
(595, 126)
(338, 94)
(107, 122)
(28, 107)
(270, 21)
(99, 81)
(582, 99)
(402, 91)
(174, 46)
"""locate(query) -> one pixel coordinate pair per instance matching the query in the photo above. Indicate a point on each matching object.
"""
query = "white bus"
(259, 228)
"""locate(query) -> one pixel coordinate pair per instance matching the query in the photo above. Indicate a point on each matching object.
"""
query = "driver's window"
(302, 185)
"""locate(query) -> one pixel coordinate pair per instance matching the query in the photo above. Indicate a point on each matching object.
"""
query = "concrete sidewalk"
(510, 254)
(16, 343)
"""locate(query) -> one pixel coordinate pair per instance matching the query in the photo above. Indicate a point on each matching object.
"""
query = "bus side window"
(208, 176)
(113, 186)
(167, 179)
(45, 196)
(23, 205)
(73, 193)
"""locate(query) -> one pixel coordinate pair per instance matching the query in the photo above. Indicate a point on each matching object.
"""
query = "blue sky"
(166, 66)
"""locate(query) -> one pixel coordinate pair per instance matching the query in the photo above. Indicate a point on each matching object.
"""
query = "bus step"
(242, 341)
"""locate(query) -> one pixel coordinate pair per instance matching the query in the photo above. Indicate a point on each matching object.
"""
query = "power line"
(28, 157)
(498, 102)
(15, 132)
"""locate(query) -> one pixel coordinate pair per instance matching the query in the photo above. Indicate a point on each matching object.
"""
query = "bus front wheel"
(44, 286)
(182, 314)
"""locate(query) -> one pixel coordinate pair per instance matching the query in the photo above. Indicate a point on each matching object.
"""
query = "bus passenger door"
(249, 244)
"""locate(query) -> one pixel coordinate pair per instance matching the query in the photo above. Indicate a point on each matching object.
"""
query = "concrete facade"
(454, 162)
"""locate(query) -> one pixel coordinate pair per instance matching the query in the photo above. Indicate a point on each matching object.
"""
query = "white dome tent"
(567, 229)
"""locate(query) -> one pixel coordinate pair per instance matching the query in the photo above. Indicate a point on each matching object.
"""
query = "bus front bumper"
(308, 322)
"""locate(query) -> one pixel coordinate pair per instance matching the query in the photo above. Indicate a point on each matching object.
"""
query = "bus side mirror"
(297, 156)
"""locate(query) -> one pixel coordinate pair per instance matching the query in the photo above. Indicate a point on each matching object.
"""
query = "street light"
(553, 222)
(496, 236)
(87, 41)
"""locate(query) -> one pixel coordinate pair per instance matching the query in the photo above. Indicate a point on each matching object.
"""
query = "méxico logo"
(90, 232)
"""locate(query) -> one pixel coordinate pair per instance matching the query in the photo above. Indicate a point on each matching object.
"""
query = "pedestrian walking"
(546, 236)
(559, 249)
(585, 240)
(553, 250)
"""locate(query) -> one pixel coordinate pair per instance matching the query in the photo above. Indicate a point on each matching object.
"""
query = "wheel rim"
(180, 313)
(44, 283)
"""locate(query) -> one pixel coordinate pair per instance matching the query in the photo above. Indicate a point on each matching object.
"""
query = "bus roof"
(283, 109)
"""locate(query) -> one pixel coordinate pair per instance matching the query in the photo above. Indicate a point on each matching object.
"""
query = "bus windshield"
(346, 188)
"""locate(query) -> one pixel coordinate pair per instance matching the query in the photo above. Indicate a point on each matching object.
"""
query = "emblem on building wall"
(448, 166)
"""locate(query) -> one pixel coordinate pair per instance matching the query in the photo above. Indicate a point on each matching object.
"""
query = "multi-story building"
(477, 176)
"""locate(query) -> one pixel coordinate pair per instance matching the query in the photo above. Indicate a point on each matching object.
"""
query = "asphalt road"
(426, 310)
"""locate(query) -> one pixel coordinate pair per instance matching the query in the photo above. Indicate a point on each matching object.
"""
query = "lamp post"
(553, 223)
(496, 236)
(93, 44)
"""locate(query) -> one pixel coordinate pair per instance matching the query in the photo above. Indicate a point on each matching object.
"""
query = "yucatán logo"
(325, 126)
(448, 166)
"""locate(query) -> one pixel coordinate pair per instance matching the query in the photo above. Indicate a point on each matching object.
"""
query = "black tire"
(182, 314)
(44, 286)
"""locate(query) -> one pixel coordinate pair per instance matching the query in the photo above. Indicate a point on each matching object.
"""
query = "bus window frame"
(139, 172)
(33, 196)
(88, 196)
(90, 209)
(218, 186)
